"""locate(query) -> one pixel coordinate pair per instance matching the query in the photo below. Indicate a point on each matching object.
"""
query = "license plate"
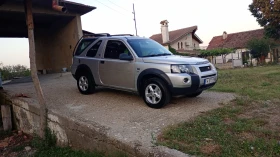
(209, 80)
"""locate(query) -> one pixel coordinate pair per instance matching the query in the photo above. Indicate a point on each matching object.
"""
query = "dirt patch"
(247, 136)
(211, 149)
(15, 144)
(228, 121)
(267, 112)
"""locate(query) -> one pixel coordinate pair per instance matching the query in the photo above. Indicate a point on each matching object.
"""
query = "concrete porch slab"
(107, 120)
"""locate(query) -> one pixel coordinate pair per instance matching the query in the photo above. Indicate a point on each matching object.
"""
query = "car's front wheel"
(85, 84)
(155, 93)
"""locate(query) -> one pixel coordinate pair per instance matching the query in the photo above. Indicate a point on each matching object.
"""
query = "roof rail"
(122, 35)
(104, 35)
(96, 35)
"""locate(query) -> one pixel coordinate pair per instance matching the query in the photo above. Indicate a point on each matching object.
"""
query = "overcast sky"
(115, 17)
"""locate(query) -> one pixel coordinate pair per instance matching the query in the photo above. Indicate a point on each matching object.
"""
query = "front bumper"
(196, 84)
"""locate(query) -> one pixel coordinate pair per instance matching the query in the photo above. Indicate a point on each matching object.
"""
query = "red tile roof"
(174, 35)
(235, 40)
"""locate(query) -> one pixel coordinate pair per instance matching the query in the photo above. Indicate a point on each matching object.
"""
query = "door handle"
(102, 62)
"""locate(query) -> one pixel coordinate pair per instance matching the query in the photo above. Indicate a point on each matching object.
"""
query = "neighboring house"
(183, 40)
(238, 41)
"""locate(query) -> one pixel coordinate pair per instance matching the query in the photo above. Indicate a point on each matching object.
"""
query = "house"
(183, 40)
(238, 41)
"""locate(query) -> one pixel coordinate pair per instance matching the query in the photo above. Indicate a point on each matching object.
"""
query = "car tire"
(194, 94)
(85, 83)
(155, 93)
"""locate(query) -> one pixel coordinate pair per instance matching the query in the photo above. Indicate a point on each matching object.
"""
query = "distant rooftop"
(235, 40)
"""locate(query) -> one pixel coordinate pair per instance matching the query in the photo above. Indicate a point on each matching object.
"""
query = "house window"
(181, 45)
(178, 45)
(194, 45)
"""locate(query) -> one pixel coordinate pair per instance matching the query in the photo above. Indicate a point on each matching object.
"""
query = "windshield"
(148, 48)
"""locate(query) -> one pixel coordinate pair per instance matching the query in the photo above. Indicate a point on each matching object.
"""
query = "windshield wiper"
(161, 54)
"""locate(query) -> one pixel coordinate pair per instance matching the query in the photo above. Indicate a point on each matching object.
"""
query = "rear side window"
(93, 50)
(83, 45)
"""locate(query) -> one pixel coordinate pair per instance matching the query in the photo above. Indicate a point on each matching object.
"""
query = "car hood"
(174, 59)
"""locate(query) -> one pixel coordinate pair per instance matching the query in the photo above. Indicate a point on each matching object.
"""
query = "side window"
(93, 50)
(83, 45)
(114, 48)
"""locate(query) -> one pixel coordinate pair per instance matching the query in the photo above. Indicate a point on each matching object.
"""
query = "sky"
(212, 17)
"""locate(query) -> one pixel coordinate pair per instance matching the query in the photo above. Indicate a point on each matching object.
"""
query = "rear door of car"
(92, 57)
(79, 52)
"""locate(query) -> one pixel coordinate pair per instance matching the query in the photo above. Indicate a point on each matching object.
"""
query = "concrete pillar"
(6, 117)
(55, 45)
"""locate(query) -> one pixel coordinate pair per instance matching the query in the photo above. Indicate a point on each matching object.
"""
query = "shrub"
(10, 71)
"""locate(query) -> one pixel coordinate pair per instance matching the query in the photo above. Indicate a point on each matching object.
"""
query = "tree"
(10, 71)
(32, 54)
(267, 13)
(259, 48)
(224, 52)
(216, 52)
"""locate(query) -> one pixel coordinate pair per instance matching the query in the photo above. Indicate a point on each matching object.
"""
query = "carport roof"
(13, 22)
(72, 7)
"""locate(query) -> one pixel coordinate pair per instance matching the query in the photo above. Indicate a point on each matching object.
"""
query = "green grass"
(261, 83)
(240, 128)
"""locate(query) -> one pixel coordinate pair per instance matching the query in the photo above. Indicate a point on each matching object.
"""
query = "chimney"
(224, 35)
(164, 31)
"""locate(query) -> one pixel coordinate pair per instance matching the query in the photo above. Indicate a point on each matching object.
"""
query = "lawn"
(247, 126)
(261, 83)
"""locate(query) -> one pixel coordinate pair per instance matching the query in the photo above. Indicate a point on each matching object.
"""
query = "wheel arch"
(81, 69)
(150, 73)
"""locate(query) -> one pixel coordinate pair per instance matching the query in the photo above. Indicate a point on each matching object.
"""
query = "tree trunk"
(32, 56)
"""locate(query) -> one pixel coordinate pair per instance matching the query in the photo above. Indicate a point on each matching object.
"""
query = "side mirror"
(125, 56)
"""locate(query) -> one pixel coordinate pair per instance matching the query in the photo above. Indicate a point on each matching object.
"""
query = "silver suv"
(141, 65)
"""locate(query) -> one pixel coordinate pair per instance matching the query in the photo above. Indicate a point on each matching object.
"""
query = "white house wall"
(195, 44)
(188, 38)
(236, 55)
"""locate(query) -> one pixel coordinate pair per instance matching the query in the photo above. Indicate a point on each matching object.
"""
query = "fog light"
(185, 80)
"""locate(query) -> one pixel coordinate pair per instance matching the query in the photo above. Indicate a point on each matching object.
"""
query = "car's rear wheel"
(85, 84)
(155, 93)
(194, 94)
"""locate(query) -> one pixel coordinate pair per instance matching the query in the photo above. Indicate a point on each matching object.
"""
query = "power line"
(118, 6)
(110, 7)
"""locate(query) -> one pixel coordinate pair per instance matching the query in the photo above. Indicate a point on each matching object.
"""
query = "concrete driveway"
(124, 115)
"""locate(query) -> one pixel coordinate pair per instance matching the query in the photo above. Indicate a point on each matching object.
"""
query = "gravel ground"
(124, 114)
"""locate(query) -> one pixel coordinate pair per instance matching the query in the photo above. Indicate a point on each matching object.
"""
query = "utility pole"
(32, 56)
(1, 87)
(134, 19)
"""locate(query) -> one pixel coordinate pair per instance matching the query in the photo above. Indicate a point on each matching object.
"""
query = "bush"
(10, 71)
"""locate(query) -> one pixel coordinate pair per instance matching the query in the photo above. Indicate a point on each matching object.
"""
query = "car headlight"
(181, 68)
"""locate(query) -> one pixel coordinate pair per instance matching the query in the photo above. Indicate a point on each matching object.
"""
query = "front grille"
(208, 76)
(206, 68)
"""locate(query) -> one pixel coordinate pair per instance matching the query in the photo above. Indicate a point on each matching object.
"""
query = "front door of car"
(113, 71)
